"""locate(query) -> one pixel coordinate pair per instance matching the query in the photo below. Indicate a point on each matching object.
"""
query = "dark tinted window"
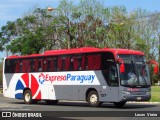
(109, 69)
(78, 62)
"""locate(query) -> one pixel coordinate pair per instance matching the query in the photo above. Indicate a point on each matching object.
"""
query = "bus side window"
(83, 62)
(67, 63)
(48, 64)
(7, 66)
(40, 65)
(90, 62)
(34, 65)
(12, 66)
(45, 66)
(79, 62)
(28, 66)
(97, 62)
(75, 62)
(52, 64)
(94, 62)
(63, 63)
(25, 66)
(71, 64)
(59, 64)
(17, 63)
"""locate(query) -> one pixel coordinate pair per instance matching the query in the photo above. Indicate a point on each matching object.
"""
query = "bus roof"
(81, 50)
(123, 51)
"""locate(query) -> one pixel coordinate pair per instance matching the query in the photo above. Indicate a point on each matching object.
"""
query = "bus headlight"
(125, 92)
(148, 92)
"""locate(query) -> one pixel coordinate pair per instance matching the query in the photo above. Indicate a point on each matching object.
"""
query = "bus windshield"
(136, 71)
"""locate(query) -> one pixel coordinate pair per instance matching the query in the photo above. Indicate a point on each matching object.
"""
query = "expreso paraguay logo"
(68, 77)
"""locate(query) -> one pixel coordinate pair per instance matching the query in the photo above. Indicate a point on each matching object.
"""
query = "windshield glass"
(136, 71)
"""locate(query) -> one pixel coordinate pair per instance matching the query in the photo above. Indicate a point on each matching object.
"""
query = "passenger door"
(111, 76)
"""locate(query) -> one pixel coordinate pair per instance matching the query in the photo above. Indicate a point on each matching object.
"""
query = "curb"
(106, 102)
(145, 102)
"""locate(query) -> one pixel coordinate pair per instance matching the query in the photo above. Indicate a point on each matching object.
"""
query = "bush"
(0, 77)
(1, 73)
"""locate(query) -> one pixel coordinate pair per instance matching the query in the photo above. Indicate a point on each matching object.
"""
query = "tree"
(83, 26)
(30, 34)
(89, 23)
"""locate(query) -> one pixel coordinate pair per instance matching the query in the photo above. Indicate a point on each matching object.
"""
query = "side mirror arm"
(156, 67)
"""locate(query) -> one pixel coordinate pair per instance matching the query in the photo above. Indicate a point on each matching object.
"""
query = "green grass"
(155, 92)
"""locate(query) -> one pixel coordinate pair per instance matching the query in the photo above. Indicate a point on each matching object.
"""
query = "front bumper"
(135, 97)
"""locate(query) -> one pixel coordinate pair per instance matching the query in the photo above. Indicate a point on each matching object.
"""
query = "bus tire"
(119, 104)
(28, 97)
(51, 102)
(93, 99)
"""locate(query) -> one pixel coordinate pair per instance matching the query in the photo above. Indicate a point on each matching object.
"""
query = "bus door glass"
(111, 76)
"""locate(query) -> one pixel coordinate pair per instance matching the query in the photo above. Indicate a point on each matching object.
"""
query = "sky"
(10, 10)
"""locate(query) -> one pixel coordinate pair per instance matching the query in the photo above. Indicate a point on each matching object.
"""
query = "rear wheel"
(93, 99)
(27, 96)
(51, 102)
(119, 104)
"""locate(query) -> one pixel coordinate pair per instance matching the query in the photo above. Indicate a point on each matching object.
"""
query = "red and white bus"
(84, 74)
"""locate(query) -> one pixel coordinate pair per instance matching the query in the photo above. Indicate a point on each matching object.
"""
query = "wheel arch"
(88, 90)
(30, 101)
(26, 89)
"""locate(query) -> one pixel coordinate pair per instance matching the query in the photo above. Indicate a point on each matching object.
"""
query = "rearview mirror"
(155, 69)
(122, 67)
(155, 66)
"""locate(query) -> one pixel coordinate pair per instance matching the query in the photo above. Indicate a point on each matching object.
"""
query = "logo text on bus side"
(67, 77)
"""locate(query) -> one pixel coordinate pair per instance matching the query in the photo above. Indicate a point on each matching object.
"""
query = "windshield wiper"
(144, 79)
(135, 80)
(143, 75)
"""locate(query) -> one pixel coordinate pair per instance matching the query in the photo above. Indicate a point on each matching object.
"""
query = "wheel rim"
(27, 97)
(93, 99)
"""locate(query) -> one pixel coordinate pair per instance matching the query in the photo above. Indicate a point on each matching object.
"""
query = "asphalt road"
(82, 111)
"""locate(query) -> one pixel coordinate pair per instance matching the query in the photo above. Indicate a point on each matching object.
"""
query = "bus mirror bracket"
(153, 62)
(122, 68)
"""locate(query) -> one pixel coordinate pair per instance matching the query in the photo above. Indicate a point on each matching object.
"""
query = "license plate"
(139, 98)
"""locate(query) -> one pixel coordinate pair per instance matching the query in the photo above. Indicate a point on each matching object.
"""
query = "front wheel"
(93, 99)
(119, 104)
